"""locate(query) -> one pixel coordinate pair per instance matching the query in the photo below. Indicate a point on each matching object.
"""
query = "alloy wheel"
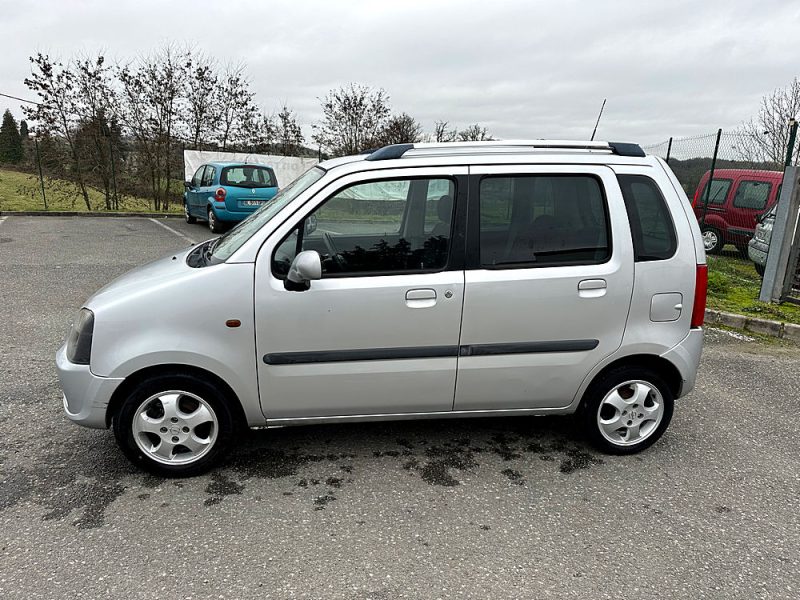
(175, 427)
(630, 413)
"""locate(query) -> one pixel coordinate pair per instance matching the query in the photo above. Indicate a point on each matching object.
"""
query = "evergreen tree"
(10, 141)
(23, 129)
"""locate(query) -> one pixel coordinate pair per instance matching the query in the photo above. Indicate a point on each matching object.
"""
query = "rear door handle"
(421, 298)
(592, 288)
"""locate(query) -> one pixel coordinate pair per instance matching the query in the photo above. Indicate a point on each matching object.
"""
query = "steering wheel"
(334, 254)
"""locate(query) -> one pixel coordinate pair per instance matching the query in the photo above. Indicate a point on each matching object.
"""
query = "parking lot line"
(178, 233)
(2, 219)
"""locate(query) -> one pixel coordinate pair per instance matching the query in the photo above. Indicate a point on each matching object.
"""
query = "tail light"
(219, 195)
(700, 288)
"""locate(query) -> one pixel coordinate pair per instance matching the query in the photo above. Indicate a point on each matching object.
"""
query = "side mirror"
(311, 224)
(187, 184)
(306, 267)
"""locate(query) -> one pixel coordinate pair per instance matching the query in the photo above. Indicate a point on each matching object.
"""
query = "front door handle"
(592, 288)
(421, 298)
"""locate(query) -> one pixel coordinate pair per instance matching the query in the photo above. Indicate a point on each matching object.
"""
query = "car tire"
(214, 223)
(759, 269)
(712, 239)
(166, 419)
(627, 409)
(187, 216)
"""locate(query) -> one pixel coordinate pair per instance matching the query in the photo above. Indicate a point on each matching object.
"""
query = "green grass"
(734, 285)
(21, 191)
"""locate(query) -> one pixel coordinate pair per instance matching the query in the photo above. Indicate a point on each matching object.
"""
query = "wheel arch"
(135, 378)
(666, 370)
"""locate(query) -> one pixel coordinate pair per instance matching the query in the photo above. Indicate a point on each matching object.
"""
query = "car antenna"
(598, 119)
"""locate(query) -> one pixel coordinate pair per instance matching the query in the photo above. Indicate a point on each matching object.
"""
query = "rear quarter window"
(652, 228)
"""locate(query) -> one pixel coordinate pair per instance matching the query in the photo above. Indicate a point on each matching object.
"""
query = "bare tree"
(353, 117)
(442, 133)
(152, 96)
(288, 135)
(765, 137)
(474, 133)
(56, 113)
(95, 135)
(202, 113)
(401, 129)
(237, 110)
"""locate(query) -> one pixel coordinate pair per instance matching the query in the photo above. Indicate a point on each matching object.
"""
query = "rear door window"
(543, 220)
(208, 176)
(651, 224)
(752, 194)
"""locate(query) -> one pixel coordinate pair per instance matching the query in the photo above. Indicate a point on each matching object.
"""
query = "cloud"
(523, 69)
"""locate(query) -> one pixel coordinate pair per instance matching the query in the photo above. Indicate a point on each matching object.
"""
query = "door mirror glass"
(187, 184)
(306, 267)
(311, 224)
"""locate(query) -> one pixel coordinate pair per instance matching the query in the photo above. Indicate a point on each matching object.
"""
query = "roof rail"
(398, 150)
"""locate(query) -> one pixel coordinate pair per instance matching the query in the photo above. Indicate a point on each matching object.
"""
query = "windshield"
(233, 240)
(247, 176)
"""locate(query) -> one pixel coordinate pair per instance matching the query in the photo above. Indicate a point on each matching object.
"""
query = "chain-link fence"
(730, 181)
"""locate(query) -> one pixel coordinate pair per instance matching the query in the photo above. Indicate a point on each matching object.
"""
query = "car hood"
(168, 270)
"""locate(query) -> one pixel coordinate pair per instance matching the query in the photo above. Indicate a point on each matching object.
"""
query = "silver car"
(419, 281)
(758, 248)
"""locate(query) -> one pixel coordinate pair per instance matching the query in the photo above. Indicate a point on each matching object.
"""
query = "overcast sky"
(524, 69)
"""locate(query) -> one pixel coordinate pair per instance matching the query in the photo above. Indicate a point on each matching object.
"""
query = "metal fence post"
(113, 172)
(710, 178)
(39, 165)
(780, 245)
(669, 151)
(792, 138)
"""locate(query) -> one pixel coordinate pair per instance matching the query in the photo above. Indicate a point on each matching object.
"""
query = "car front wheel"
(175, 425)
(627, 409)
(187, 215)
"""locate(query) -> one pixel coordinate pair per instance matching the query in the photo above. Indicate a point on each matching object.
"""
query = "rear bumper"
(229, 216)
(686, 358)
(86, 396)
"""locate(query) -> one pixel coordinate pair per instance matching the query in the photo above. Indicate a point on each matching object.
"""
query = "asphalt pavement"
(475, 508)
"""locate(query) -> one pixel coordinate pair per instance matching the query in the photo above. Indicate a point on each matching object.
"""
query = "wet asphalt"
(477, 508)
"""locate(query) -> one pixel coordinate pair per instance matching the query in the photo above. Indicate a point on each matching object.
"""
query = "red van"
(736, 198)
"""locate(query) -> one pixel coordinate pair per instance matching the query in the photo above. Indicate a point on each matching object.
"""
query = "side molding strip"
(329, 356)
(529, 347)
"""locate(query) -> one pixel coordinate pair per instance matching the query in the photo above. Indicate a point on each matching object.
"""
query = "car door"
(206, 190)
(191, 192)
(548, 284)
(750, 199)
(378, 334)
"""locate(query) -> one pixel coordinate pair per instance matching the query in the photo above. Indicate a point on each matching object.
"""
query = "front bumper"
(757, 251)
(86, 396)
(686, 358)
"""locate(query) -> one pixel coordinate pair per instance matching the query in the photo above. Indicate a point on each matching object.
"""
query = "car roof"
(744, 172)
(237, 164)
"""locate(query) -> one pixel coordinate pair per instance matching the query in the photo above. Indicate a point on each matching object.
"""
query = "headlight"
(79, 344)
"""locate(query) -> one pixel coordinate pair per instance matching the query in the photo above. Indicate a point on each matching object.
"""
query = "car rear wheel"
(175, 425)
(712, 240)
(186, 215)
(214, 224)
(759, 269)
(627, 409)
